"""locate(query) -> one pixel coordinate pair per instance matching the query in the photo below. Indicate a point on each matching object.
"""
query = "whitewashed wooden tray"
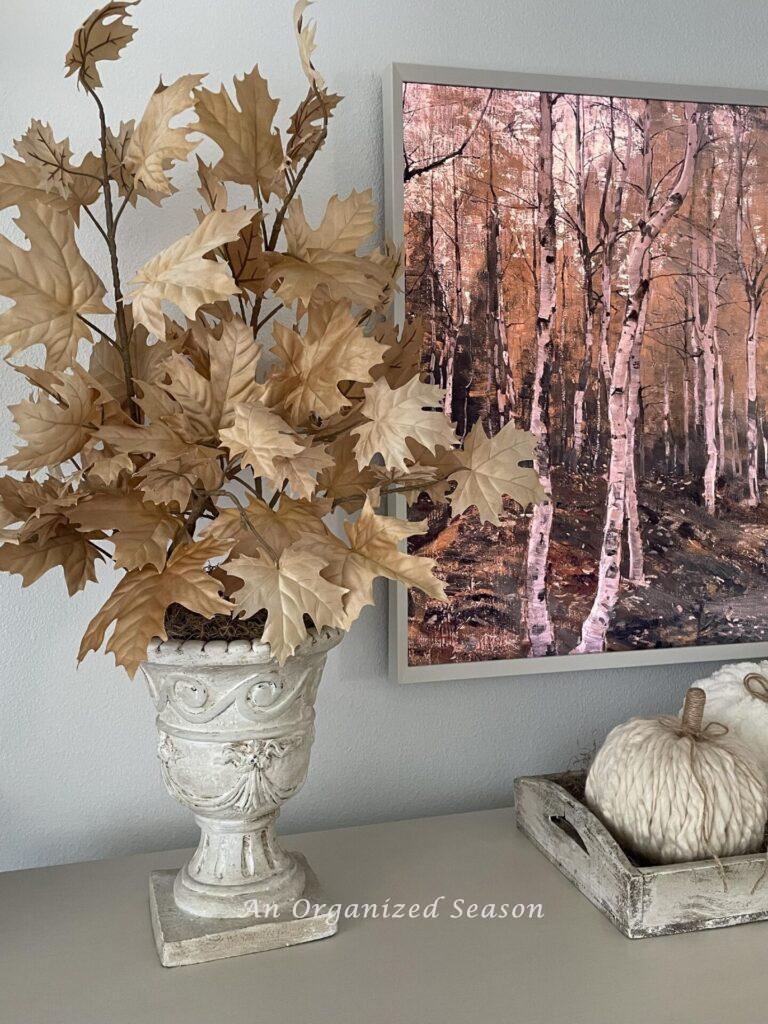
(642, 900)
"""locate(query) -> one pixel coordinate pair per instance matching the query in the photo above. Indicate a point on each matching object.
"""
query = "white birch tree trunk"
(538, 622)
(596, 624)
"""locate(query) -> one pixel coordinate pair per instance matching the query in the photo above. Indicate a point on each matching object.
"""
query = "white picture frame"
(396, 76)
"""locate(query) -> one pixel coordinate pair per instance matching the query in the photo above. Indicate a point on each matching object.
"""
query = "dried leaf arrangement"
(203, 452)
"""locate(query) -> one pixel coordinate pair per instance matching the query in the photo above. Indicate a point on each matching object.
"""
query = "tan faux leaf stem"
(171, 442)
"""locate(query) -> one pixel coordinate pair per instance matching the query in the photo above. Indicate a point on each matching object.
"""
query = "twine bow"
(756, 685)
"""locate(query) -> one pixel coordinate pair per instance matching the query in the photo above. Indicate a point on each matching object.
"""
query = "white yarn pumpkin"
(729, 701)
(670, 791)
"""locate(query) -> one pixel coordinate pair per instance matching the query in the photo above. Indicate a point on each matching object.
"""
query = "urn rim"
(236, 652)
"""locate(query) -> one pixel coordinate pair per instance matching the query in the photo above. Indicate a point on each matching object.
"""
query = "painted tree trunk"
(587, 270)
(720, 404)
(538, 622)
(686, 416)
(753, 491)
(596, 624)
(636, 572)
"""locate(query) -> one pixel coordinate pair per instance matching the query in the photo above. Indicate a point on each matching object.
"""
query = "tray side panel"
(577, 843)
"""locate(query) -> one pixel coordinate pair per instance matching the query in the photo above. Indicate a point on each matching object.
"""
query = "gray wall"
(78, 776)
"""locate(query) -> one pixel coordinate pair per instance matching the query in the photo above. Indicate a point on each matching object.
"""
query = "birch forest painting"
(592, 269)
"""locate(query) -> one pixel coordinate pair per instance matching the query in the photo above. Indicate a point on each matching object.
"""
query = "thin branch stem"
(93, 327)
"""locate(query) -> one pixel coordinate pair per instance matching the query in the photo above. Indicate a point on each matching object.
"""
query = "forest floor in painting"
(705, 576)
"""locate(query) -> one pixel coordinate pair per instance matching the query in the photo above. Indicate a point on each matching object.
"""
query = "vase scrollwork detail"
(235, 733)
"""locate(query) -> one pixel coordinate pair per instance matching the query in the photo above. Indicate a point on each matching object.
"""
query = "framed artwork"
(587, 260)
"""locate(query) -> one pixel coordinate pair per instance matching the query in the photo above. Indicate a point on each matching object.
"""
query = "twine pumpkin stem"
(756, 685)
(693, 709)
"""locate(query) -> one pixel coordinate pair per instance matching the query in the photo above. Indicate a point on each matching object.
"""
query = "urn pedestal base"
(183, 938)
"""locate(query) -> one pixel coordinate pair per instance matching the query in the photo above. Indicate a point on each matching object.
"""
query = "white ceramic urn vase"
(235, 733)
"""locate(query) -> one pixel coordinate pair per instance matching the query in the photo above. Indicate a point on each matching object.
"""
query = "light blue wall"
(78, 777)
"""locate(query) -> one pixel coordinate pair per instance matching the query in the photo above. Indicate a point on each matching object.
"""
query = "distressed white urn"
(235, 733)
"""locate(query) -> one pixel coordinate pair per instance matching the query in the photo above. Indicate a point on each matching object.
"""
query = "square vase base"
(183, 938)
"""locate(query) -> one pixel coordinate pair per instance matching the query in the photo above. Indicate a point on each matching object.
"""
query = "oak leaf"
(252, 153)
(138, 603)
(154, 146)
(334, 349)
(489, 469)
(181, 274)
(287, 590)
(258, 437)
(392, 416)
(51, 285)
(55, 428)
(102, 36)
(141, 531)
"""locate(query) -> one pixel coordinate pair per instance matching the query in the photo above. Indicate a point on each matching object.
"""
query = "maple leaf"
(343, 482)
(326, 256)
(108, 468)
(374, 550)
(252, 153)
(209, 402)
(63, 546)
(128, 186)
(259, 436)
(141, 531)
(489, 468)
(171, 480)
(258, 524)
(307, 128)
(106, 365)
(333, 350)
(55, 428)
(21, 184)
(305, 37)
(79, 185)
(182, 275)
(102, 36)
(287, 590)
(138, 603)
(300, 471)
(155, 146)
(394, 415)
(51, 284)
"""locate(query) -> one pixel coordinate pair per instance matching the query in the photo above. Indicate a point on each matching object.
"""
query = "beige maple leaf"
(258, 437)
(287, 590)
(300, 471)
(182, 275)
(489, 468)
(334, 349)
(308, 125)
(108, 468)
(392, 416)
(209, 402)
(102, 36)
(51, 285)
(305, 37)
(374, 550)
(258, 525)
(252, 153)
(141, 531)
(171, 480)
(154, 146)
(128, 186)
(147, 360)
(21, 184)
(63, 546)
(79, 185)
(55, 428)
(327, 256)
(138, 603)
(343, 482)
